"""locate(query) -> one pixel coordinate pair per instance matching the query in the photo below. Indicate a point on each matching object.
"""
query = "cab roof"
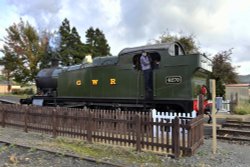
(162, 46)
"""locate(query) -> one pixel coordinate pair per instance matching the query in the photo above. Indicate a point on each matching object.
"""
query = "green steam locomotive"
(117, 81)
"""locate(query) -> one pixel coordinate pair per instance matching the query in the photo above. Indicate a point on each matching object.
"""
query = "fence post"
(176, 137)
(138, 132)
(3, 118)
(236, 99)
(54, 123)
(89, 127)
(25, 119)
(232, 104)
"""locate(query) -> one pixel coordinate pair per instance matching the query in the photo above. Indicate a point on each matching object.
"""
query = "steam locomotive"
(117, 81)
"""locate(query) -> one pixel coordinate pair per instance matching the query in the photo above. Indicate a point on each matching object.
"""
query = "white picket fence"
(222, 105)
(168, 116)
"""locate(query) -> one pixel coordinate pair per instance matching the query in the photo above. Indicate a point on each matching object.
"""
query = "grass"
(23, 96)
(32, 149)
(3, 148)
(243, 109)
(202, 153)
(107, 152)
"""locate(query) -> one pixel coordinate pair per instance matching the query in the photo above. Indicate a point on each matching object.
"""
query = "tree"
(78, 47)
(97, 44)
(72, 50)
(90, 40)
(24, 49)
(65, 47)
(188, 41)
(8, 62)
(46, 58)
(223, 71)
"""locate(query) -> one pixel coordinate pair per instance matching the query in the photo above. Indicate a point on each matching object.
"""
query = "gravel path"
(14, 155)
(228, 154)
(22, 157)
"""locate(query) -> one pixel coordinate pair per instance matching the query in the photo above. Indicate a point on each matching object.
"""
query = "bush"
(16, 91)
(27, 91)
(243, 109)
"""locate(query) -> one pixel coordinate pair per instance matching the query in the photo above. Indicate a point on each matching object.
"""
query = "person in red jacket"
(206, 105)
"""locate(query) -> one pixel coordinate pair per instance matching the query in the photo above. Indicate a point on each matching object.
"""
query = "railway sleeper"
(233, 138)
(236, 125)
(233, 132)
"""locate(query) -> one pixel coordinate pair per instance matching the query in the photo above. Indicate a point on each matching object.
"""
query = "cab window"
(155, 60)
(175, 50)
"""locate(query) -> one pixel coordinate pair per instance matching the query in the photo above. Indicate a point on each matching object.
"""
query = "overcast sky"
(217, 24)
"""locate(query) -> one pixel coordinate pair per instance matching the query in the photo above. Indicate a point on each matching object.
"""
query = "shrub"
(243, 109)
(16, 91)
(27, 91)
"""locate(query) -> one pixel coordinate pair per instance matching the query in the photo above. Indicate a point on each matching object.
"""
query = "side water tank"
(46, 79)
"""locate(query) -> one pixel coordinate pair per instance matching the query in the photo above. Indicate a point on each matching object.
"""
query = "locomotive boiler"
(117, 81)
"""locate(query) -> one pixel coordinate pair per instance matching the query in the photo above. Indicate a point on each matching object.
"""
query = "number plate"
(173, 79)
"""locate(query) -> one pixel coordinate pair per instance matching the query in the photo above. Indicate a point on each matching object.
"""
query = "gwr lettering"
(112, 81)
(94, 81)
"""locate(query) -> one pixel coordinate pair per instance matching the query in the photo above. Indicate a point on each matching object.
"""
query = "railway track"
(9, 100)
(235, 130)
